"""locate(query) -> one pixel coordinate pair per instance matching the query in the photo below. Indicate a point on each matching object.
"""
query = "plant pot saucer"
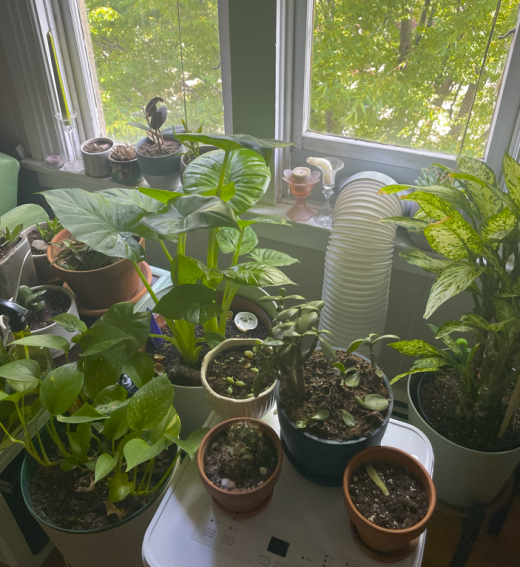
(309, 475)
(387, 557)
(141, 290)
(244, 515)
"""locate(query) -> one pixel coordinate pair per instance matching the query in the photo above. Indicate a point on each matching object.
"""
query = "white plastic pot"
(463, 476)
(54, 328)
(97, 165)
(11, 265)
(228, 408)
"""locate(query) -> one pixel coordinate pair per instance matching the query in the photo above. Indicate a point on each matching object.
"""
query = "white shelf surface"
(311, 519)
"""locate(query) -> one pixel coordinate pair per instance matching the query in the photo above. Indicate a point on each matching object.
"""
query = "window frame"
(405, 162)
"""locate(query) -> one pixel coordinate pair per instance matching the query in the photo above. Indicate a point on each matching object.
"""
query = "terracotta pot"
(240, 504)
(97, 289)
(228, 408)
(383, 540)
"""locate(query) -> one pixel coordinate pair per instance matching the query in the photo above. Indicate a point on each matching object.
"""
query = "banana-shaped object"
(325, 166)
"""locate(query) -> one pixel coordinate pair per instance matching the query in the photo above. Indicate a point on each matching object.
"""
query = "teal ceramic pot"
(161, 172)
(125, 172)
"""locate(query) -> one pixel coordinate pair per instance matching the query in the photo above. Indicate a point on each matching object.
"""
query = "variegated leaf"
(511, 171)
(391, 189)
(453, 327)
(503, 309)
(428, 264)
(498, 226)
(415, 348)
(453, 237)
(413, 224)
(435, 207)
(485, 200)
(450, 282)
(453, 196)
(413, 371)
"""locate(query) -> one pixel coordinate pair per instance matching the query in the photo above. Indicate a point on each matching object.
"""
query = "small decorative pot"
(54, 328)
(228, 408)
(323, 461)
(161, 172)
(125, 172)
(382, 540)
(241, 505)
(11, 265)
(97, 165)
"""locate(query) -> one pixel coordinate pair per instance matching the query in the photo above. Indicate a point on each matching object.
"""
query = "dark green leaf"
(138, 451)
(60, 388)
(140, 368)
(85, 414)
(192, 443)
(46, 341)
(191, 302)
(119, 488)
(228, 239)
(105, 464)
(150, 404)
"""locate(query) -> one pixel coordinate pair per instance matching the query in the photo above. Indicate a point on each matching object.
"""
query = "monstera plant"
(218, 187)
(474, 226)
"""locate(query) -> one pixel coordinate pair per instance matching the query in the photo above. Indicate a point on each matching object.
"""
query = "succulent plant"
(31, 300)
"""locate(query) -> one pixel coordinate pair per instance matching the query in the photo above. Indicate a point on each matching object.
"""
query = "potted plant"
(124, 167)
(240, 461)
(331, 403)
(46, 305)
(217, 187)
(98, 280)
(390, 498)
(194, 149)
(95, 153)
(93, 479)
(39, 236)
(469, 397)
(15, 258)
(228, 373)
(159, 154)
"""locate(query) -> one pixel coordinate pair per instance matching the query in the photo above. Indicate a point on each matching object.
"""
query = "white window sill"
(303, 234)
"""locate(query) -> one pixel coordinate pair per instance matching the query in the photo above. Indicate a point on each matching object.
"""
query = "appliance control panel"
(257, 543)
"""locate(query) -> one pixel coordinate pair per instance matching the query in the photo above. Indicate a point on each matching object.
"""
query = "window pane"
(404, 73)
(136, 51)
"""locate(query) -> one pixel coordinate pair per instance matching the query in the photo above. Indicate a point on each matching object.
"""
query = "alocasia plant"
(218, 186)
(474, 226)
(113, 436)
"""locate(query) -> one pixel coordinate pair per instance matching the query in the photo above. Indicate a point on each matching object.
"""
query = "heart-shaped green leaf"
(70, 323)
(138, 451)
(132, 324)
(150, 404)
(191, 302)
(192, 443)
(245, 168)
(60, 388)
(140, 368)
(105, 464)
(117, 424)
(348, 418)
(85, 414)
(189, 213)
(119, 488)
(256, 274)
(272, 257)
(161, 195)
(228, 239)
(374, 402)
(46, 341)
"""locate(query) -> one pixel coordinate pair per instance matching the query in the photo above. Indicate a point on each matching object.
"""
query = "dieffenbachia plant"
(218, 187)
(113, 438)
(474, 226)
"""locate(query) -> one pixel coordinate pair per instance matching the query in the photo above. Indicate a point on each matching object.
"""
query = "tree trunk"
(406, 37)
(465, 107)
(329, 123)
(422, 21)
(443, 92)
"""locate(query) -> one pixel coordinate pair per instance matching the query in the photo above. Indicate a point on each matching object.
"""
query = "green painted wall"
(252, 29)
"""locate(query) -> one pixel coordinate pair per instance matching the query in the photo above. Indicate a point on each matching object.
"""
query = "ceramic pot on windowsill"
(96, 164)
(203, 149)
(11, 264)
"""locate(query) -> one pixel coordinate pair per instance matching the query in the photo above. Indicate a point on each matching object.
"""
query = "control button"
(263, 560)
(278, 564)
(209, 532)
(228, 540)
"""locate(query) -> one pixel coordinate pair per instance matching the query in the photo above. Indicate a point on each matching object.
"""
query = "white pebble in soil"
(39, 245)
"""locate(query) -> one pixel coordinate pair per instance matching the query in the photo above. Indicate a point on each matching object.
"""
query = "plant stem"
(145, 282)
(513, 403)
(56, 438)
(165, 250)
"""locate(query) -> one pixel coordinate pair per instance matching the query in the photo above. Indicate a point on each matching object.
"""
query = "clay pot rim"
(371, 454)
(225, 425)
(211, 355)
(50, 256)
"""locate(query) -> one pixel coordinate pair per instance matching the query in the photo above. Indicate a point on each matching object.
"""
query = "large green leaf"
(148, 203)
(140, 368)
(273, 257)
(191, 302)
(60, 388)
(228, 239)
(415, 225)
(415, 348)
(264, 219)
(107, 224)
(245, 168)
(45, 341)
(511, 171)
(105, 464)
(117, 424)
(161, 195)
(188, 269)
(419, 258)
(453, 237)
(103, 371)
(22, 375)
(237, 141)
(256, 274)
(26, 215)
(485, 200)
(435, 207)
(497, 227)
(150, 404)
(138, 451)
(451, 195)
(451, 281)
(79, 441)
(85, 414)
(189, 213)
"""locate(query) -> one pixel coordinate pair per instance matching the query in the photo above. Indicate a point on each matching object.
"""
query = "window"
(390, 85)
(135, 52)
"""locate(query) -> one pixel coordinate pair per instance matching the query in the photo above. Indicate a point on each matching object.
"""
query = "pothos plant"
(103, 432)
(474, 226)
(218, 187)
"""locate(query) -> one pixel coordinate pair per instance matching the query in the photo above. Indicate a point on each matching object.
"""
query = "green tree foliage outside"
(137, 56)
(404, 72)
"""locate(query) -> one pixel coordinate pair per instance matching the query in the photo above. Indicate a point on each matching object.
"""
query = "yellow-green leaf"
(453, 237)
